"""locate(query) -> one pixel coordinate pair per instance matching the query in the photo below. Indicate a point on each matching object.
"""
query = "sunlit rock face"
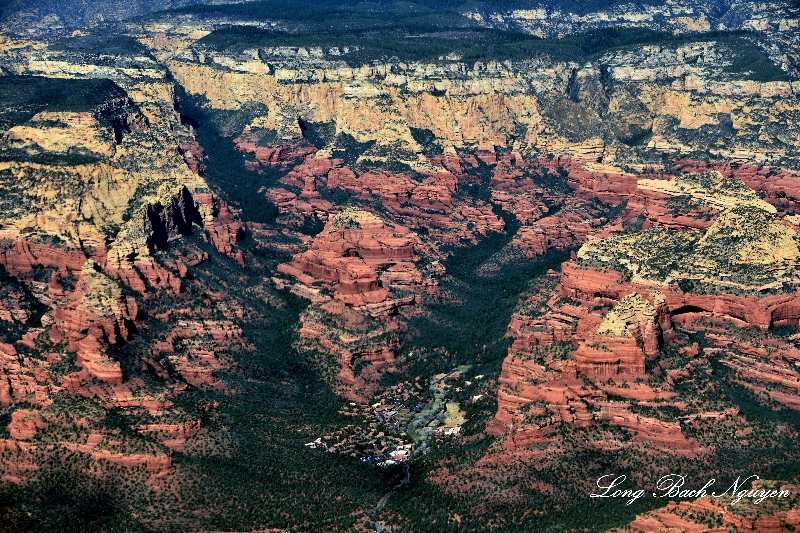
(142, 294)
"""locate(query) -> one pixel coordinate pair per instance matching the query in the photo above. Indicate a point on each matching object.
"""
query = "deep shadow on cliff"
(225, 167)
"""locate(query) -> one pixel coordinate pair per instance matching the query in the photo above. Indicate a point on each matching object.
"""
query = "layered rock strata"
(633, 330)
(682, 97)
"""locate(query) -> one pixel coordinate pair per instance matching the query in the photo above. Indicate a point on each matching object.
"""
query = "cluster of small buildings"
(381, 432)
(401, 453)
(447, 431)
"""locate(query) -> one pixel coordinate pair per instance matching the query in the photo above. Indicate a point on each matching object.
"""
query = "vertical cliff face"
(109, 181)
(97, 193)
(628, 333)
(447, 122)
(380, 104)
(673, 98)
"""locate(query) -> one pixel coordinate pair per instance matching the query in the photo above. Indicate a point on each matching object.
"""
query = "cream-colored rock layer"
(354, 217)
(61, 132)
(746, 248)
(769, 20)
(627, 311)
(63, 64)
(80, 203)
(476, 111)
(96, 205)
(480, 105)
(165, 39)
(555, 22)
(711, 188)
(509, 104)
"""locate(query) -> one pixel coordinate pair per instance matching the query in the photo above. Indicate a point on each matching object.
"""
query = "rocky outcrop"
(746, 255)
(709, 188)
(62, 133)
(534, 398)
(192, 349)
(425, 202)
(280, 155)
(99, 314)
(769, 21)
(359, 260)
(25, 423)
(540, 383)
(569, 227)
(9, 375)
(351, 336)
(538, 393)
(348, 253)
(602, 286)
(14, 304)
(746, 516)
(778, 186)
(224, 229)
(23, 255)
(173, 436)
(627, 334)
(545, 381)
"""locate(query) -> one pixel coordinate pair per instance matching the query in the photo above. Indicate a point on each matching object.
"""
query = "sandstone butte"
(358, 259)
(540, 389)
(633, 330)
(100, 209)
(348, 252)
(536, 394)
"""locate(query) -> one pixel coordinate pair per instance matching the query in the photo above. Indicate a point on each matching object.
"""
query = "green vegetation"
(720, 259)
(312, 226)
(427, 507)
(21, 97)
(470, 44)
(318, 133)
(426, 139)
(71, 159)
(554, 484)
(225, 165)
(102, 43)
(348, 149)
(471, 324)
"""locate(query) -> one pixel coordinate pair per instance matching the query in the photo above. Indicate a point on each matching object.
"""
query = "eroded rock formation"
(630, 332)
